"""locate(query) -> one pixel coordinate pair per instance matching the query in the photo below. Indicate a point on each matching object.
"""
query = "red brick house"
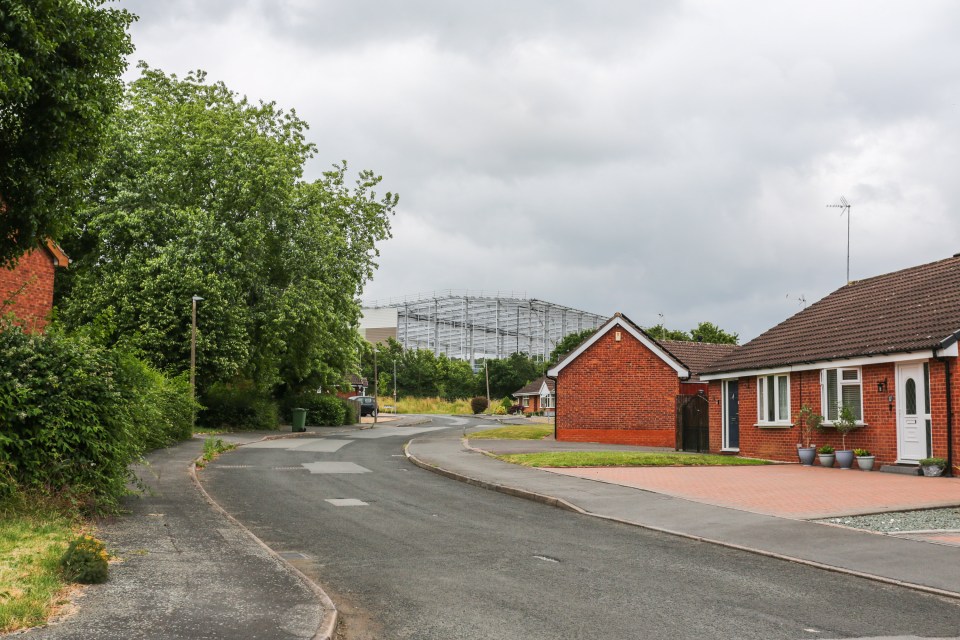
(26, 291)
(537, 396)
(621, 386)
(886, 347)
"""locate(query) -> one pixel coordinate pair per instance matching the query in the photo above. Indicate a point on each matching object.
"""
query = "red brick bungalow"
(885, 346)
(536, 396)
(620, 386)
(26, 291)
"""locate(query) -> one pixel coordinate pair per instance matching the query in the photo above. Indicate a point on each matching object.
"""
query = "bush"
(506, 403)
(66, 406)
(85, 561)
(934, 462)
(825, 449)
(323, 410)
(861, 453)
(162, 405)
(515, 409)
(351, 412)
(238, 406)
(478, 404)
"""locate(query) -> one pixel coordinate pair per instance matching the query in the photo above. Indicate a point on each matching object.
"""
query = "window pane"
(851, 398)
(771, 400)
(911, 396)
(782, 399)
(761, 403)
(831, 394)
(926, 387)
(850, 375)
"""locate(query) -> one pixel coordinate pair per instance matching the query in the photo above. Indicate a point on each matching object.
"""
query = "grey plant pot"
(827, 459)
(845, 458)
(807, 455)
(865, 462)
(932, 470)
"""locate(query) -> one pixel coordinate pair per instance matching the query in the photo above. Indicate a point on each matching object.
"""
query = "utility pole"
(193, 362)
(395, 384)
(376, 402)
(486, 373)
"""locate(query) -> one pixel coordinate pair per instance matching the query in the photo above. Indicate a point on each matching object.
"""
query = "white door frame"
(904, 454)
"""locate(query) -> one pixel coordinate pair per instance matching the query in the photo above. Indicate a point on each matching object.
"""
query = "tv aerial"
(845, 209)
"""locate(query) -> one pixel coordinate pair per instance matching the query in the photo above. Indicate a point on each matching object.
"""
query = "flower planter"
(827, 459)
(865, 462)
(807, 455)
(932, 470)
(845, 458)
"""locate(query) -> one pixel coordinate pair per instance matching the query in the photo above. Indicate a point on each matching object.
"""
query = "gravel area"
(900, 521)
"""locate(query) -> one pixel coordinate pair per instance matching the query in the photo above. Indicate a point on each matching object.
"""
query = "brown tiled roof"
(909, 310)
(354, 379)
(533, 388)
(696, 356)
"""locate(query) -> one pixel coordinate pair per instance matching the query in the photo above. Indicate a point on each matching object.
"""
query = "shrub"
(934, 462)
(478, 404)
(515, 409)
(162, 405)
(85, 561)
(351, 412)
(323, 410)
(506, 403)
(860, 453)
(68, 425)
(825, 449)
(499, 410)
(239, 405)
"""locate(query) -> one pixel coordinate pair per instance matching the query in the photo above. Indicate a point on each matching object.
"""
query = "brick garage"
(620, 386)
(26, 290)
(886, 333)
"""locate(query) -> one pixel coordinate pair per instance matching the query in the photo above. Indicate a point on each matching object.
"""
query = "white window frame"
(840, 384)
(525, 401)
(546, 402)
(762, 418)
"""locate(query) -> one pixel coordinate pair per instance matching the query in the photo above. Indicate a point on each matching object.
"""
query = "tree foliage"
(60, 68)
(199, 192)
(703, 332)
(569, 343)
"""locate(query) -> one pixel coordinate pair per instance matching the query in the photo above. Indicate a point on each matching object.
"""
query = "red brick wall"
(879, 436)
(617, 392)
(27, 290)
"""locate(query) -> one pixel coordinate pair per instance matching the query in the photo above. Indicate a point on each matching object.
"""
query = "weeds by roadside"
(213, 447)
(514, 432)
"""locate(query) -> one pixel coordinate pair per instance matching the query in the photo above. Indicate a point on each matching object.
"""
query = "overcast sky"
(654, 157)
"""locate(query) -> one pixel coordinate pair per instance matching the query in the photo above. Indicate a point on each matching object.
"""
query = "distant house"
(622, 386)
(886, 347)
(26, 291)
(537, 396)
(357, 385)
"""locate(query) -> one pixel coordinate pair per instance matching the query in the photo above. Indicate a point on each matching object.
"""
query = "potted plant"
(826, 455)
(864, 459)
(933, 467)
(844, 424)
(808, 421)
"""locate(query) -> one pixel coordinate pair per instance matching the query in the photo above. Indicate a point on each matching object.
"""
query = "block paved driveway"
(788, 491)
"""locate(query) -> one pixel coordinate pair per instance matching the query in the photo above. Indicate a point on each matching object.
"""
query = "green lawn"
(30, 585)
(624, 459)
(514, 432)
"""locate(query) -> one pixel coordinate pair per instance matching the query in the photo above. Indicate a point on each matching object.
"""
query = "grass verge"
(624, 459)
(32, 540)
(514, 432)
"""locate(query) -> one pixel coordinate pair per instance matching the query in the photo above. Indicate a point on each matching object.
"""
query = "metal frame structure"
(470, 325)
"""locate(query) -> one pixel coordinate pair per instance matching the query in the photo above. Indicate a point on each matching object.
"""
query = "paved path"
(187, 571)
(896, 560)
(788, 491)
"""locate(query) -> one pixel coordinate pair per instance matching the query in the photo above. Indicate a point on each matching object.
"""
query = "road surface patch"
(334, 467)
(388, 432)
(346, 502)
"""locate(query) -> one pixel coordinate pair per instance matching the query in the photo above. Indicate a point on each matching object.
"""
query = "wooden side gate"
(693, 423)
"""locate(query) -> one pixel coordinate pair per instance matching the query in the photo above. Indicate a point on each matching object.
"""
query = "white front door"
(911, 422)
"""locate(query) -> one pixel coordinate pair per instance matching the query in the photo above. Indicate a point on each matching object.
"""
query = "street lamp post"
(193, 360)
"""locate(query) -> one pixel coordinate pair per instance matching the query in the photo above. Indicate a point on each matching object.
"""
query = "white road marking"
(346, 502)
(323, 445)
(388, 432)
(456, 422)
(334, 467)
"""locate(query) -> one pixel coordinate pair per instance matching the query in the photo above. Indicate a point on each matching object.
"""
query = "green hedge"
(75, 415)
(237, 406)
(323, 410)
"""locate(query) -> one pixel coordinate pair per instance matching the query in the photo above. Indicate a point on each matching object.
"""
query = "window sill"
(730, 450)
(773, 425)
(830, 424)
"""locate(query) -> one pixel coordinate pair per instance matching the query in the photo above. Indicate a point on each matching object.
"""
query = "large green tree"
(199, 192)
(703, 332)
(60, 68)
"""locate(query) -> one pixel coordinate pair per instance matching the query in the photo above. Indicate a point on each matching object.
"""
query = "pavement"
(186, 570)
(756, 509)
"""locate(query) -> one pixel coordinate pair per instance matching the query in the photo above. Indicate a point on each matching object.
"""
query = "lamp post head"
(197, 298)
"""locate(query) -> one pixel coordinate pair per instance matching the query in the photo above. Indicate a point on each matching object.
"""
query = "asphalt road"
(431, 558)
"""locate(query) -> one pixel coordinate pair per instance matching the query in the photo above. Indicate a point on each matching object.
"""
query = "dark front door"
(693, 423)
(731, 415)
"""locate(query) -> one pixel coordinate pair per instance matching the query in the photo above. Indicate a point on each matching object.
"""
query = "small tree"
(478, 404)
(808, 421)
(845, 423)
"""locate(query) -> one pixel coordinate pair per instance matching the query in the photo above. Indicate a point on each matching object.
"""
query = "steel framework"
(468, 326)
